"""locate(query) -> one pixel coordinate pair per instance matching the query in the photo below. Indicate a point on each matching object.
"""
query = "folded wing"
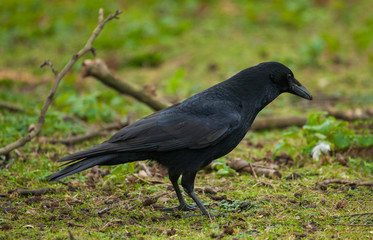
(171, 129)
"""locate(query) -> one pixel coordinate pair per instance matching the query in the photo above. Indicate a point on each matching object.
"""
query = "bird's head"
(285, 81)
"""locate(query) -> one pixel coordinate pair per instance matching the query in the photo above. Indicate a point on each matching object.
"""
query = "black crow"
(188, 136)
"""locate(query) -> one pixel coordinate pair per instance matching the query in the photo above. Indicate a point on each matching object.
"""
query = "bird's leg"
(187, 182)
(183, 205)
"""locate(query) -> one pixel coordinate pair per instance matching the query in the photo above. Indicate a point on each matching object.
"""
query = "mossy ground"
(181, 49)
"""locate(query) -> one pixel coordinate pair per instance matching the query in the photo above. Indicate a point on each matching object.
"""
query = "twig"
(72, 118)
(98, 69)
(74, 224)
(352, 114)
(12, 108)
(354, 215)
(346, 182)
(49, 63)
(145, 168)
(57, 79)
(36, 192)
(238, 164)
(252, 169)
(100, 15)
(10, 162)
(141, 179)
(265, 122)
(96, 133)
(111, 222)
(80, 138)
(351, 224)
(71, 235)
(106, 209)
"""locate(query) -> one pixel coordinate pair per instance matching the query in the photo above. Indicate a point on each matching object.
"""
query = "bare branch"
(241, 165)
(347, 182)
(71, 235)
(324, 184)
(36, 192)
(354, 215)
(96, 133)
(88, 47)
(98, 69)
(100, 15)
(93, 51)
(351, 224)
(12, 108)
(49, 63)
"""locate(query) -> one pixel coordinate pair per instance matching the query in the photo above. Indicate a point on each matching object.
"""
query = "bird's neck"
(254, 95)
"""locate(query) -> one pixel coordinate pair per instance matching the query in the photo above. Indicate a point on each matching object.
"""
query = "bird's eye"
(290, 75)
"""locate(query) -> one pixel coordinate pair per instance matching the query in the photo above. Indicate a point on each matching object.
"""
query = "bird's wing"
(179, 128)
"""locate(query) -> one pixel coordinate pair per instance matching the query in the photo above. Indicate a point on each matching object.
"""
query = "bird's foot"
(184, 207)
(211, 215)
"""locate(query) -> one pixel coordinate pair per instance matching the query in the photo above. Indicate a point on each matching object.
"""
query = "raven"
(188, 136)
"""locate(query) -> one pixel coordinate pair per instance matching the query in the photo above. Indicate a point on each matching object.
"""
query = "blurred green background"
(179, 48)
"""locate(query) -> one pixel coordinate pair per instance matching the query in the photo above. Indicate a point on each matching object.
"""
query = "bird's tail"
(80, 165)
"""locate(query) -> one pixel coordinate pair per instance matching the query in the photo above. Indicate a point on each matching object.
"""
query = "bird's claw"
(185, 207)
(211, 215)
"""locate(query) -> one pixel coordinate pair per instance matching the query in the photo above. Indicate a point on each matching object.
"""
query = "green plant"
(221, 167)
(359, 163)
(92, 106)
(321, 128)
(119, 173)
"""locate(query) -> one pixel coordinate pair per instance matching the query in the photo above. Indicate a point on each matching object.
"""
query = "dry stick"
(75, 119)
(141, 179)
(111, 222)
(98, 69)
(144, 167)
(347, 182)
(269, 122)
(351, 224)
(253, 171)
(244, 166)
(95, 133)
(106, 209)
(58, 77)
(354, 215)
(74, 224)
(10, 107)
(35, 192)
(70, 235)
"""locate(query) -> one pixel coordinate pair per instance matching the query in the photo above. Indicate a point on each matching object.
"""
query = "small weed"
(323, 129)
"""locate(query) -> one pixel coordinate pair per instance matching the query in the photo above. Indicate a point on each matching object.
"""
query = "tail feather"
(103, 148)
(80, 166)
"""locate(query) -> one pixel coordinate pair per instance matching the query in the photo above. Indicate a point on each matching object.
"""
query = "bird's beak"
(297, 89)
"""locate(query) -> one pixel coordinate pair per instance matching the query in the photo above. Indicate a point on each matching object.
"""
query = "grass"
(180, 49)
(277, 208)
